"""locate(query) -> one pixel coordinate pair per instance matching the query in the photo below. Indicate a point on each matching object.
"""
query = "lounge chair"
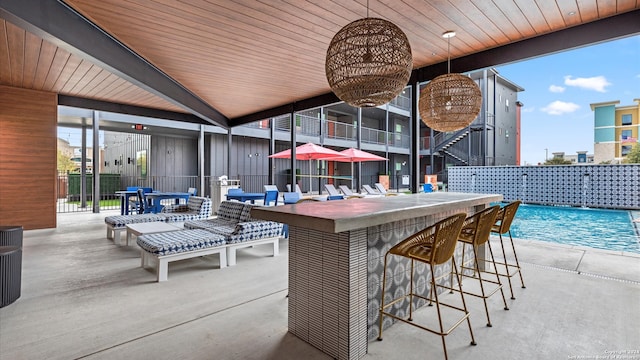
(333, 192)
(370, 191)
(381, 189)
(348, 193)
(298, 190)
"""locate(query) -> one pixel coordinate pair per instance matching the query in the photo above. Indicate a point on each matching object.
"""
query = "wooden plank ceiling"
(245, 56)
(27, 61)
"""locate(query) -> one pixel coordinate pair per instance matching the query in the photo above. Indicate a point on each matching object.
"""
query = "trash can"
(10, 264)
(219, 189)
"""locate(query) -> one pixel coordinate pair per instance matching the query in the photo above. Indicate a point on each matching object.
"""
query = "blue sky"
(559, 89)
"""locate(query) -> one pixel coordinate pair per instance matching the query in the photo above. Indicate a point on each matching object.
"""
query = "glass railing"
(339, 130)
(309, 125)
(401, 102)
(374, 136)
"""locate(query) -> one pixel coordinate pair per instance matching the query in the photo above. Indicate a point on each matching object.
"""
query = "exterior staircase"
(444, 143)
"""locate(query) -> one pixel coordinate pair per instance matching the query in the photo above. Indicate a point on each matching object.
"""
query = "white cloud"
(596, 83)
(556, 89)
(560, 107)
(528, 109)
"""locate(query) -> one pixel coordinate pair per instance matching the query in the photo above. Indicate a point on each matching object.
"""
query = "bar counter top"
(345, 215)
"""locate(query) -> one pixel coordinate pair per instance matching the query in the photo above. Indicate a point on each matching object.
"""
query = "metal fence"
(75, 192)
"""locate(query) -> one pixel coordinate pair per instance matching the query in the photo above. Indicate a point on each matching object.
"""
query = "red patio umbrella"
(355, 155)
(309, 151)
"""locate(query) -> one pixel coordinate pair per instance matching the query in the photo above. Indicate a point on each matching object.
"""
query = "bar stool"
(475, 232)
(501, 226)
(433, 246)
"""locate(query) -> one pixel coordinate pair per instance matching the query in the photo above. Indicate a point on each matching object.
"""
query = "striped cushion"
(121, 221)
(179, 241)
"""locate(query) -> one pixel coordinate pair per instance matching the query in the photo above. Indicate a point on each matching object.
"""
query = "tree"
(64, 163)
(557, 161)
(633, 157)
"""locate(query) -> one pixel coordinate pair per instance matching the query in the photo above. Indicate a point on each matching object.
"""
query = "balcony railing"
(401, 102)
(339, 130)
(309, 125)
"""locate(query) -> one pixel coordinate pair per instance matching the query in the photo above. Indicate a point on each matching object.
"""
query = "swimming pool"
(595, 228)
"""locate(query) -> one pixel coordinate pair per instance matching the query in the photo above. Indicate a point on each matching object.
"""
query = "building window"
(625, 150)
(626, 137)
(506, 105)
(627, 119)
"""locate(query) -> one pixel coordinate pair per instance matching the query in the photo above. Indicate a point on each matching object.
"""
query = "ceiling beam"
(100, 105)
(59, 24)
(316, 101)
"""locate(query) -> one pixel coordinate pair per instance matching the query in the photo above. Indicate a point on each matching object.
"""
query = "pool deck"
(84, 297)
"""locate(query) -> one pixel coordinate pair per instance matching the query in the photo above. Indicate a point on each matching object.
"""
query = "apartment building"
(491, 139)
(615, 130)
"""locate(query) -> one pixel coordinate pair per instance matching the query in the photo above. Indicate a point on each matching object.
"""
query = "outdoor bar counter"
(336, 255)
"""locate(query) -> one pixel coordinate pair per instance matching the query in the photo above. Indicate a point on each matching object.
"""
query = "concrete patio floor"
(85, 298)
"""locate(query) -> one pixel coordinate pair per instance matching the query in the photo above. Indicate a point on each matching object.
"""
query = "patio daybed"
(162, 248)
(234, 222)
(196, 208)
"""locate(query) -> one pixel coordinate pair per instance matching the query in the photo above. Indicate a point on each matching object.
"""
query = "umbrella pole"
(352, 175)
(310, 179)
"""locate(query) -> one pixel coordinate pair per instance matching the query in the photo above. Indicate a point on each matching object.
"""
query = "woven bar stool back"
(433, 246)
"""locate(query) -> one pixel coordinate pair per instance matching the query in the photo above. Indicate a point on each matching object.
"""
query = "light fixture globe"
(368, 62)
(450, 102)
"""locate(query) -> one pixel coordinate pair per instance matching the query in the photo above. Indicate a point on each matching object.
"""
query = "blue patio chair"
(291, 197)
(427, 188)
(235, 191)
(132, 201)
(271, 196)
(270, 187)
(142, 206)
(135, 203)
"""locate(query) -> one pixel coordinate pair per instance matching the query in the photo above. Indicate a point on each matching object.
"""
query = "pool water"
(595, 228)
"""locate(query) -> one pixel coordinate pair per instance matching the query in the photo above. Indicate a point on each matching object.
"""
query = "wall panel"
(28, 121)
(597, 186)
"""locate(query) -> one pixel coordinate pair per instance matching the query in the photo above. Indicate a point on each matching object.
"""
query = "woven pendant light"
(450, 102)
(368, 62)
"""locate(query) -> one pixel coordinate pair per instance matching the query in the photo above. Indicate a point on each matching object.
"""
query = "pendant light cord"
(448, 54)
